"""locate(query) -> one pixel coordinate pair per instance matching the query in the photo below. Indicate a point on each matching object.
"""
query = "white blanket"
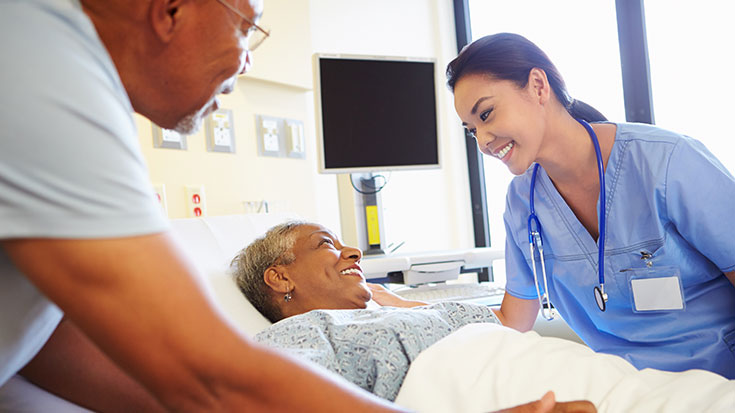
(486, 367)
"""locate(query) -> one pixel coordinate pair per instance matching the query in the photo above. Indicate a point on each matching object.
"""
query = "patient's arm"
(72, 367)
(138, 301)
(386, 297)
(517, 313)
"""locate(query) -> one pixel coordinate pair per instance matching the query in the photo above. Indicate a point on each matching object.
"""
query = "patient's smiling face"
(325, 273)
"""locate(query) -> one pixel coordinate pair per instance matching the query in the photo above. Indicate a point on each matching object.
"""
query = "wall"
(426, 209)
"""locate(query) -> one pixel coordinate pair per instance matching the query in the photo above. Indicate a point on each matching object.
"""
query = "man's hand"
(386, 297)
(548, 404)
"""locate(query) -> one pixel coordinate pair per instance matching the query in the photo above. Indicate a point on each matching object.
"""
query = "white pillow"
(210, 243)
(235, 306)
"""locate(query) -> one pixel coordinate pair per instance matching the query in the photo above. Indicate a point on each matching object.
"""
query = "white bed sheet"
(485, 367)
(18, 395)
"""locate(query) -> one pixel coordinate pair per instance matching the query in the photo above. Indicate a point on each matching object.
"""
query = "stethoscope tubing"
(535, 237)
(601, 219)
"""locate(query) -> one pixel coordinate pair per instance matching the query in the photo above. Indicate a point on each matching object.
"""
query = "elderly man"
(81, 230)
(81, 233)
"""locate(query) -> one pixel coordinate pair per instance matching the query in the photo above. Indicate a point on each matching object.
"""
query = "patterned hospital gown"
(371, 348)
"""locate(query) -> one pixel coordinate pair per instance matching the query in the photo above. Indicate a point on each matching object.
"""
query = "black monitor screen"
(377, 114)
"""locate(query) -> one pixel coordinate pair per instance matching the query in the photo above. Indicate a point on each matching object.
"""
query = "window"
(691, 57)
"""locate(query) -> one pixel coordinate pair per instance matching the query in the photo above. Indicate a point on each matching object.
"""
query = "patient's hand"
(548, 404)
(386, 297)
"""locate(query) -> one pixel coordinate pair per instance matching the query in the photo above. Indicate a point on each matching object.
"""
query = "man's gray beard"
(190, 123)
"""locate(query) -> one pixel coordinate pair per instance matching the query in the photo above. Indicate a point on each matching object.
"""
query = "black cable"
(364, 183)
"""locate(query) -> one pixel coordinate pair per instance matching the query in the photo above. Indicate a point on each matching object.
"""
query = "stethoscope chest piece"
(600, 297)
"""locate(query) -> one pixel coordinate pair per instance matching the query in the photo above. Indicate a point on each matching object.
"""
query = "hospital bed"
(211, 242)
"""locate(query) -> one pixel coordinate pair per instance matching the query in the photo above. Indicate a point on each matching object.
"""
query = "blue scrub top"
(668, 196)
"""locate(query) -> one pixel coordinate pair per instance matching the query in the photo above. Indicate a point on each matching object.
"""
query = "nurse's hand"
(386, 297)
(548, 404)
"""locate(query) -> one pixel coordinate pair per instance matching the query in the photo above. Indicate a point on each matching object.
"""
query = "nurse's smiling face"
(324, 274)
(508, 122)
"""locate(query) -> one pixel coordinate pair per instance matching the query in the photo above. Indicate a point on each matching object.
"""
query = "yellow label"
(373, 226)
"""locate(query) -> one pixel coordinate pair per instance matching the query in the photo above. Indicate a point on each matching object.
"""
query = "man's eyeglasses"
(255, 34)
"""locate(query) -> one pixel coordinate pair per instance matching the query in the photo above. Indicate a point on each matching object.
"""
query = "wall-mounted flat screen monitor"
(375, 113)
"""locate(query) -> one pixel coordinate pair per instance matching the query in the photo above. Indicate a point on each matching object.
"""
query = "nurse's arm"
(731, 276)
(517, 313)
(140, 303)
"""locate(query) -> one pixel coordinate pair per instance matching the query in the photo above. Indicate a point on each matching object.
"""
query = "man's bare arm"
(70, 366)
(138, 301)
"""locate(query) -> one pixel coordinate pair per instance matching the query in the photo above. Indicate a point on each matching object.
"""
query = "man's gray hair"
(250, 263)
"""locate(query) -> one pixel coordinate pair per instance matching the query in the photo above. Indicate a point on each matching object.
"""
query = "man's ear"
(538, 85)
(277, 279)
(164, 16)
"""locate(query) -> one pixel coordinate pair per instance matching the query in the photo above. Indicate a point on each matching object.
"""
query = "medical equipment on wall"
(391, 135)
(535, 239)
(428, 267)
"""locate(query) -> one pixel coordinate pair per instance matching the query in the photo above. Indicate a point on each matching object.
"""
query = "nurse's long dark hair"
(511, 57)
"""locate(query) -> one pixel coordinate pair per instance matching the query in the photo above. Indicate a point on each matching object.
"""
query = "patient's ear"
(277, 279)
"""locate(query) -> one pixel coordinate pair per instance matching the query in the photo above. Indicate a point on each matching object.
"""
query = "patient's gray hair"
(251, 262)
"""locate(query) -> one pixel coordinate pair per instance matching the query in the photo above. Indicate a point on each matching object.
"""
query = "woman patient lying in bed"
(302, 279)
(298, 267)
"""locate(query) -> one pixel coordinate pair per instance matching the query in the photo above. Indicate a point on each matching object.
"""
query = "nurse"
(664, 296)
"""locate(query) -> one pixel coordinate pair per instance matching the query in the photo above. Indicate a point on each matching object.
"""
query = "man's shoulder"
(61, 20)
(70, 153)
(62, 57)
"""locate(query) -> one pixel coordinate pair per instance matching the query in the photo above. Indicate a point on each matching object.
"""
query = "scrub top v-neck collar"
(571, 222)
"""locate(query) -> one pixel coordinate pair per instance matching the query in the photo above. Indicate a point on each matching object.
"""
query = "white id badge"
(656, 289)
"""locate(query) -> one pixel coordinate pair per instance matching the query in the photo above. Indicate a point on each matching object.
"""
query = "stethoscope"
(535, 238)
